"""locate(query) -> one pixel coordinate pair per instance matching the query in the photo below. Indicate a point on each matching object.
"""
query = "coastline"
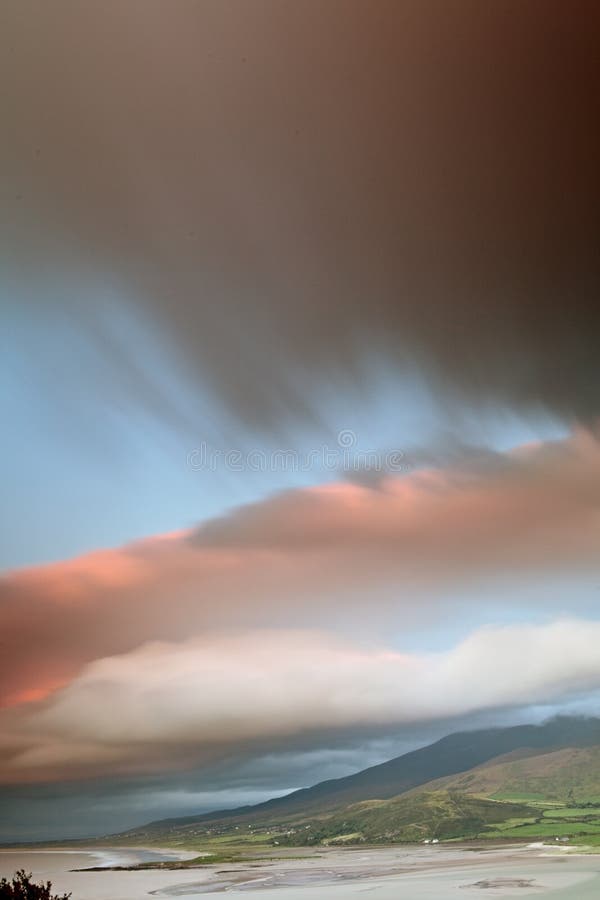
(518, 870)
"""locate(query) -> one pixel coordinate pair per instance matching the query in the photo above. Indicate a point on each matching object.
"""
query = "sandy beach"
(417, 873)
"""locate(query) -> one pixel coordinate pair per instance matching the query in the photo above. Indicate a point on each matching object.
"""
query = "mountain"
(425, 815)
(568, 775)
(429, 767)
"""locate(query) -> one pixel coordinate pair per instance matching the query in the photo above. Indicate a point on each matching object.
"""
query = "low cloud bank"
(167, 705)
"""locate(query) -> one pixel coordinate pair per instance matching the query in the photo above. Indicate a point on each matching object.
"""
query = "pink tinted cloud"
(308, 557)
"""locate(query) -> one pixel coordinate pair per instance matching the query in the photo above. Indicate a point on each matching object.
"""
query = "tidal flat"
(410, 872)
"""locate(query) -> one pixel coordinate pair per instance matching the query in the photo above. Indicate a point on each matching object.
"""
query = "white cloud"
(171, 703)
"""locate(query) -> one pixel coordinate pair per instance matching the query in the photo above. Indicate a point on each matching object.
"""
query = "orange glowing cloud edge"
(268, 561)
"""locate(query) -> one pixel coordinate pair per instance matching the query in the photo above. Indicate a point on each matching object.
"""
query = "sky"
(299, 390)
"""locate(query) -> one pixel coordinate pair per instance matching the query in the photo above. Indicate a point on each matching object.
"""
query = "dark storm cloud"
(249, 774)
(286, 187)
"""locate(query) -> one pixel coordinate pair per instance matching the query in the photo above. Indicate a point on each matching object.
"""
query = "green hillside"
(428, 815)
(517, 783)
(570, 775)
(520, 796)
(452, 755)
(421, 817)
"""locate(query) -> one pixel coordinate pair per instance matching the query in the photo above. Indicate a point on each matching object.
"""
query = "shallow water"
(413, 873)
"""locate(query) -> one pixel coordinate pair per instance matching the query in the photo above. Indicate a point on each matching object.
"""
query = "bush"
(22, 888)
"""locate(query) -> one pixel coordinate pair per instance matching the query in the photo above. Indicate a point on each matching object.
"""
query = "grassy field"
(574, 813)
(412, 818)
(545, 829)
(522, 797)
(581, 823)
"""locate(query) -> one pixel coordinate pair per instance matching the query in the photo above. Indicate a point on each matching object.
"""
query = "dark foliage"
(21, 887)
